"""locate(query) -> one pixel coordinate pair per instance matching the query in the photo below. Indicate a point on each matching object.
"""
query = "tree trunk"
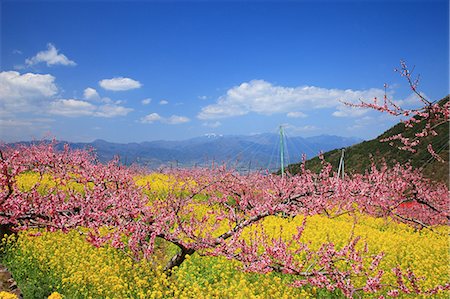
(178, 258)
(5, 229)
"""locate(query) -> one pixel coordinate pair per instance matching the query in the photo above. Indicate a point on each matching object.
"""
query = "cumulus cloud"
(91, 94)
(21, 93)
(172, 120)
(262, 97)
(71, 107)
(163, 102)
(112, 110)
(75, 108)
(146, 101)
(25, 92)
(119, 84)
(296, 114)
(176, 119)
(151, 118)
(50, 57)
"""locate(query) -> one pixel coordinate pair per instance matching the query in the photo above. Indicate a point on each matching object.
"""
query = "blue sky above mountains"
(129, 71)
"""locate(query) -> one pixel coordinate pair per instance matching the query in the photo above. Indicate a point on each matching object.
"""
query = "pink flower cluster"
(428, 116)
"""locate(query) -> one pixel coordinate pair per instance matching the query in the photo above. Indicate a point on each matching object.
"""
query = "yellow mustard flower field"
(65, 265)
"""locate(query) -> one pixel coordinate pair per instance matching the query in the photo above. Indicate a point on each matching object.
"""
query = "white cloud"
(214, 124)
(176, 119)
(296, 114)
(50, 57)
(112, 110)
(172, 120)
(411, 101)
(26, 92)
(13, 129)
(262, 97)
(75, 108)
(146, 101)
(119, 84)
(71, 107)
(203, 97)
(24, 123)
(347, 111)
(91, 94)
(163, 102)
(151, 118)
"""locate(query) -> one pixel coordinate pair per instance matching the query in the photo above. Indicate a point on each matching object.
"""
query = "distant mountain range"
(358, 157)
(252, 152)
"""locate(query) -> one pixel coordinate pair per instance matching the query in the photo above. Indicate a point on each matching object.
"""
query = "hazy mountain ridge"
(253, 152)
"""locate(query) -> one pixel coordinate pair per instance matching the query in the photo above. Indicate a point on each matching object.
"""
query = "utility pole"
(282, 150)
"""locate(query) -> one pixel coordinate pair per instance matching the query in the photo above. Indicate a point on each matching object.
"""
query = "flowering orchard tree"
(60, 190)
(208, 210)
(430, 115)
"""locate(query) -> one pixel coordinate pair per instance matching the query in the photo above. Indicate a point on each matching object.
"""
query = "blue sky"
(131, 71)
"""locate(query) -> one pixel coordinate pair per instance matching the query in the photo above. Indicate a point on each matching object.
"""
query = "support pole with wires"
(341, 165)
(282, 150)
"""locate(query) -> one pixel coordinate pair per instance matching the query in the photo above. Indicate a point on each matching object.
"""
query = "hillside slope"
(358, 157)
